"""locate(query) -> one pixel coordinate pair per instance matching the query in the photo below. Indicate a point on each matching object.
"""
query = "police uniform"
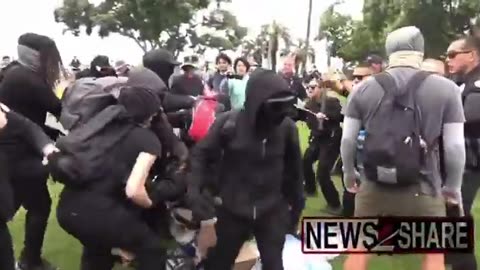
(471, 178)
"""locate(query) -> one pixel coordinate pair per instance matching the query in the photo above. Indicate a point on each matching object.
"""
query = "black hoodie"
(257, 173)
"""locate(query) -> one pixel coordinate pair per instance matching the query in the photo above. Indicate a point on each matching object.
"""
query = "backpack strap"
(412, 90)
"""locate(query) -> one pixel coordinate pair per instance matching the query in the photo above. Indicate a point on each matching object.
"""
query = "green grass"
(64, 251)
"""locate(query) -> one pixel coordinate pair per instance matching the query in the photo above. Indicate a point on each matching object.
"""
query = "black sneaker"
(44, 265)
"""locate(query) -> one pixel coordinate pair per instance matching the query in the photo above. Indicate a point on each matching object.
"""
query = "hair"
(50, 59)
(471, 42)
(244, 61)
(363, 64)
(224, 57)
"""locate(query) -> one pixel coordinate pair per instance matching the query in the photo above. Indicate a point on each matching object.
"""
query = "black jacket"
(256, 174)
(296, 86)
(472, 85)
(26, 93)
(333, 111)
(189, 86)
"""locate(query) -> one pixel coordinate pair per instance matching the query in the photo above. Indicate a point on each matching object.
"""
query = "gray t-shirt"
(439, 101)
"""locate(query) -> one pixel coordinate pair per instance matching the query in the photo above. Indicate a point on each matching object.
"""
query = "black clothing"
(7, 259)
(472, 84)
(215, 81)
(99, 67)
(296, 86)
(232, 232)
(102, 218)
(323, 128)
(75, 63)
(101, 223)
(261, 164)
(26, 93)
(326, 153)
(188, 85)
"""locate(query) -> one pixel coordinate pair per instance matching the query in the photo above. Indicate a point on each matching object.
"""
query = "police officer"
(463, 61)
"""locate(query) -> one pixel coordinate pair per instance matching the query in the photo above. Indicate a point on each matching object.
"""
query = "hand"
(3, 119)
(49, 149)
(321, 116)
(351, 184)
(452, 197)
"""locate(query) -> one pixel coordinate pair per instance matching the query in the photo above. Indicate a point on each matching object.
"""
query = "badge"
(477, 84)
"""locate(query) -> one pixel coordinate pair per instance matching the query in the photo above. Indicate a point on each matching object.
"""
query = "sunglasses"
(359, 77)
(312, 87)
(453, 54)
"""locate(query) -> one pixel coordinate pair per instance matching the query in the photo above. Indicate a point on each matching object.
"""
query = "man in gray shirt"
(440, 107)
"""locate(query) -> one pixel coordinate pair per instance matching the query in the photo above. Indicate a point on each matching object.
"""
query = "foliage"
(439, 20)
(152, 23)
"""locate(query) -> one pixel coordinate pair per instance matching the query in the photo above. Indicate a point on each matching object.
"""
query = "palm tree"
(303, 54)
(277, 33)
(307, 40)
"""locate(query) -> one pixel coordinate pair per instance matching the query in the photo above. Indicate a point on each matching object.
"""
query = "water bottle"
(360, 142)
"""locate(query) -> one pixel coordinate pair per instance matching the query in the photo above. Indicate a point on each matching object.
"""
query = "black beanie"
(35, 41)
(140, 103)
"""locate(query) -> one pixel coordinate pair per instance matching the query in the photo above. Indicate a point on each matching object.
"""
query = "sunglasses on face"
(312, 87)
(453, 54)
(359, 77)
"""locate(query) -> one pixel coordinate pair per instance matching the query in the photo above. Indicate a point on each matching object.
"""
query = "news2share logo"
(387, 235)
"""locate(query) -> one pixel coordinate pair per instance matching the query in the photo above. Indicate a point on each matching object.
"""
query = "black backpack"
(394, 151)
(85, 153)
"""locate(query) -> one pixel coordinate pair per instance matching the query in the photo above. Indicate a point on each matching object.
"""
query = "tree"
(277, 33)
(307, 40)
(150, 23)
(302, 54)
(440, 21)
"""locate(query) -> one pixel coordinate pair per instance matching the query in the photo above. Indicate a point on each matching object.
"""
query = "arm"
(454, 156)
(172, 144)
(348, 149)
(172, 102)
(293, 181)
(135, 188)
(31, 132)
(47, 99)
(206, 152)
(334, 110)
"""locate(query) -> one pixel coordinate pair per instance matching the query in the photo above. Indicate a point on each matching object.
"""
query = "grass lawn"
(64, 251)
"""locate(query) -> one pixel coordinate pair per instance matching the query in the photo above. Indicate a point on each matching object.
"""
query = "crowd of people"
(406, 143)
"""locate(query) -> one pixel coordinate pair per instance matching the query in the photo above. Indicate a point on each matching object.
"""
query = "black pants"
(101, 223)
(470, 186)
(348, 201)
(233, 231)
(28, 178)
(7, 261)
(326, 151)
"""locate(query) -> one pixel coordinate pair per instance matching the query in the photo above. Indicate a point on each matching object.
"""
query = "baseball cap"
(374, 59)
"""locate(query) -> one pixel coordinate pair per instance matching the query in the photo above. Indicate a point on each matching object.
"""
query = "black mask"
(273, 112)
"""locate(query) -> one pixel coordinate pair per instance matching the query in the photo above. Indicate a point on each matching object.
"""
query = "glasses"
(453, 54)
(312, 87)
(359, 77)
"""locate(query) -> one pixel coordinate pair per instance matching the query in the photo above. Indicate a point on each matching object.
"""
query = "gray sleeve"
(348, 148)
(454, 153)
(352, 109)
(453, 108)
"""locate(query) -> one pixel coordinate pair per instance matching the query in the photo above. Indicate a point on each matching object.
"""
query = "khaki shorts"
(373, 200)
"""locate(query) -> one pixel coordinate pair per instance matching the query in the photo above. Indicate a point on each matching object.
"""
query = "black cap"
(374, 59)
(35, 41)
(160, 55)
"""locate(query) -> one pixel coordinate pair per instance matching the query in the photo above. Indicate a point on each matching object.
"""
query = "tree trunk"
(307, 40)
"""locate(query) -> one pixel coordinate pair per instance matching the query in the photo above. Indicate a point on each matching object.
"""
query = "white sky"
(20, 16)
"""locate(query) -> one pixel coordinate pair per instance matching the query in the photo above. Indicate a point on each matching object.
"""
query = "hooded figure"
(260, 173)
(99, 67)
(27, 88)
(163, 63)
(107, 213)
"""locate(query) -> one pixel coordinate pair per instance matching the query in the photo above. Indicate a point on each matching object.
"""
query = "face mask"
(273, 112)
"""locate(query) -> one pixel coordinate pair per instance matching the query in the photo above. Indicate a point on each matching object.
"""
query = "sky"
(21, 16)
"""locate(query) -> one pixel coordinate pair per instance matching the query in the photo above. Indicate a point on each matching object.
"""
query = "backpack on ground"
(87, 97)
(394, 151)
(203, 116)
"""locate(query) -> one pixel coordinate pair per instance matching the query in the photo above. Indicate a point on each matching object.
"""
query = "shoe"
(44, 265)
(334, 211)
